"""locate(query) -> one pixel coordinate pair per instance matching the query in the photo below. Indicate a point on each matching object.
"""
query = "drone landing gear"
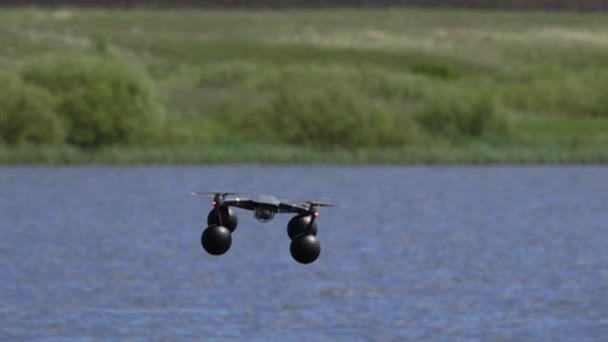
(223, 216)
(301, 225)
(305, 248)
(217, 238)
(222, 221)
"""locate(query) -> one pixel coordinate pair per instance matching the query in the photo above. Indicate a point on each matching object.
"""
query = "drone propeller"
(314, 205)
(213, 194)
(320, 204)
(218, 197)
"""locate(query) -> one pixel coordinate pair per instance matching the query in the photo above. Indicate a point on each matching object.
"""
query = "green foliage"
(331, 117)
(602, 105)
(26, 113)
(413, 84)
(102, 100)
(454, 114)
(316, 105)
(435, 69)
(555, 91)
(231, 73)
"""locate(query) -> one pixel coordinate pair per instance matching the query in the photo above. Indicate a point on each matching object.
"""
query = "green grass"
(338, 86)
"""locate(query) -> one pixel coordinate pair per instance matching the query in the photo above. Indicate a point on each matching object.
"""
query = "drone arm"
(240, 203)
(286, 207)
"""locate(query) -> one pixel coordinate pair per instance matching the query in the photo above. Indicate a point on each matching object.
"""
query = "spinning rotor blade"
(218, 197)
(213, 194)
(313, 206)
(320, 204)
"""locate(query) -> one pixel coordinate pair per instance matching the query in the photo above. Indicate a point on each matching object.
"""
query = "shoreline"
(283, 155)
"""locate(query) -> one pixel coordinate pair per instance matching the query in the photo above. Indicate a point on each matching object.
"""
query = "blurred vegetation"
(391, 85)
(27, 113)
(99, 100)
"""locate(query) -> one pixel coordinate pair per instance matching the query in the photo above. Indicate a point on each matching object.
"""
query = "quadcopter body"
(301, 229)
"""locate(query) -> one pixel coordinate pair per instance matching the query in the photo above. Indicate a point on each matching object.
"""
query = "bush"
(435, 69)
(102, 100)
(602, 106)
(231, 73)
(556, 92)
(453, 114)
(327, 116)
(26, 113)
(322, 106)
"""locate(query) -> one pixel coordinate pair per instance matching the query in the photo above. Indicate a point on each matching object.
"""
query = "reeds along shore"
(342, 85)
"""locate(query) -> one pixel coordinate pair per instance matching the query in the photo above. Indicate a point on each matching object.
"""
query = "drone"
(301, 229)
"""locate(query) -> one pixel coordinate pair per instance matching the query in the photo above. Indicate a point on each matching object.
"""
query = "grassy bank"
(307, 86)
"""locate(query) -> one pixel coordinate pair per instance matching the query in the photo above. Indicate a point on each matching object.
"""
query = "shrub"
(327, 116)
(26, 113)
(556, 91)
(435, 69)
(602, 106)
(102, 100)
(230, 73)
(454, 114)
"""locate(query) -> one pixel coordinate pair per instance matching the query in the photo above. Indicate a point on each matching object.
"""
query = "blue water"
(412, 253)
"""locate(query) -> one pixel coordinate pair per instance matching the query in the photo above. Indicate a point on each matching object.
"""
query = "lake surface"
(412, 253)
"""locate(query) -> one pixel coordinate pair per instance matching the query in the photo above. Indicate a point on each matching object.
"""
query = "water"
(489, 253)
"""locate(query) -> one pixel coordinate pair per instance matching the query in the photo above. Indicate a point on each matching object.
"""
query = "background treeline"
(577, 5)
